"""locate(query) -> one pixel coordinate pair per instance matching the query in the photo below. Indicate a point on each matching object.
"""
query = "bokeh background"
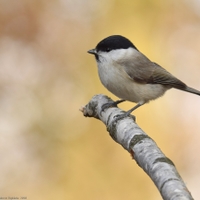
(48, 150)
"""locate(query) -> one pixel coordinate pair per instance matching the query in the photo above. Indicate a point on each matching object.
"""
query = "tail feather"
(191, 90)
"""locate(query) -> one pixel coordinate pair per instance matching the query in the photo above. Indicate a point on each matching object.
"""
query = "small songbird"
(130, 75)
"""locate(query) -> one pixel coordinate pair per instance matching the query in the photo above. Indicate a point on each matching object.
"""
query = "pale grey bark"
(143, 149)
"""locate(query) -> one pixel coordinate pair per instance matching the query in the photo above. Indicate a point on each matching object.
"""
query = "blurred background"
(48, 150)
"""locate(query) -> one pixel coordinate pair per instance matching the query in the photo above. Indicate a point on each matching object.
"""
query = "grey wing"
(162, 76)
(147, 72)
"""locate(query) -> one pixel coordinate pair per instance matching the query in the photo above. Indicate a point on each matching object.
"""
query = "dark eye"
(108, 49)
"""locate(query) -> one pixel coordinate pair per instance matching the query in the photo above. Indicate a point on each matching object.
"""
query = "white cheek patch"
(122, 53)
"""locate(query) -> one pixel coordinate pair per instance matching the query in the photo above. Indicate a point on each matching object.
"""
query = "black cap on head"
(114, 42)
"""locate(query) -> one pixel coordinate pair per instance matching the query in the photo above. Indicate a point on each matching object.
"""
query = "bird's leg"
(127, 113)
(134, 108)
(118, 102)
(113, 104)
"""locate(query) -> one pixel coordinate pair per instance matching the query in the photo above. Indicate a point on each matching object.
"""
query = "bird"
(130, 75)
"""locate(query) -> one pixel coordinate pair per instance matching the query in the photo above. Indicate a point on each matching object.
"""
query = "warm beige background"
(48, 150)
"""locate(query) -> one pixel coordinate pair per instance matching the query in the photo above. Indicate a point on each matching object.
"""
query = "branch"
(142, 148)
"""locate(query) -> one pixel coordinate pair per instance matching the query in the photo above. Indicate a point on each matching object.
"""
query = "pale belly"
(121, 85)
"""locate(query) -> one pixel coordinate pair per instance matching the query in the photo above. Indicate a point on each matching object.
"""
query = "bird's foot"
(111, 104)
(107, 105)
(122, 116)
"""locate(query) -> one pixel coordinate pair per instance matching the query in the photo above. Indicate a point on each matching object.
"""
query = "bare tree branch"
(142, 148)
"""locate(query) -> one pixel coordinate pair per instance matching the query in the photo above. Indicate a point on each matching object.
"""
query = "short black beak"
(93, 51)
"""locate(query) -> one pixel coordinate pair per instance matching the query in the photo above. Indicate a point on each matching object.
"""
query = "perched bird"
(130, 75)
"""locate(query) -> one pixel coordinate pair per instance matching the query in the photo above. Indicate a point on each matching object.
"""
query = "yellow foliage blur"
(48, 149)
